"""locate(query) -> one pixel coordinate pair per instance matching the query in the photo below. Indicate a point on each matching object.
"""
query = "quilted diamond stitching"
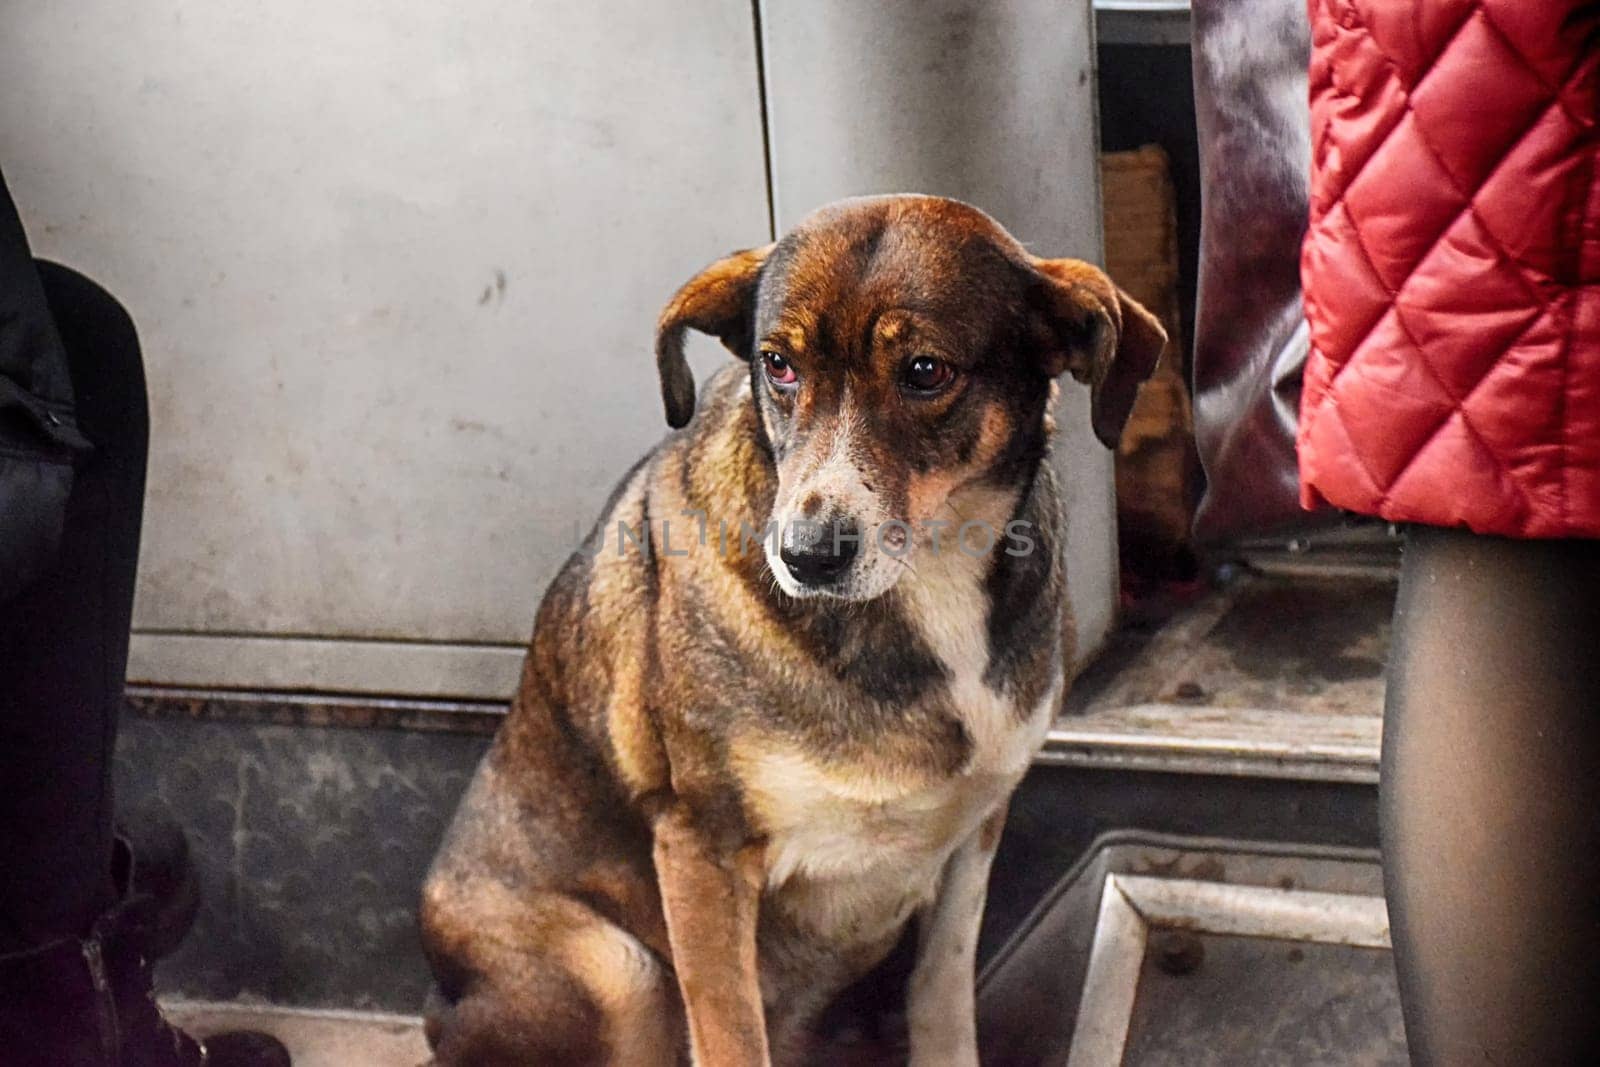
(1557, 88)
(1467, 194)
(1350, 176)
(1558, 293)
(1458, 407)
(1326, 403)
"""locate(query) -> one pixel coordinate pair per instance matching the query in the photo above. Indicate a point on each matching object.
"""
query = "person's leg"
(75, 985)
(64, 647)
(1490, 797)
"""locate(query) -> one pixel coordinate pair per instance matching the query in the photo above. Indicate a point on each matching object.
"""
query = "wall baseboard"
(325, 665)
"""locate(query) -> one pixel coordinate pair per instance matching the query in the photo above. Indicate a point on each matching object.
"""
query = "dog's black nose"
(817, 553)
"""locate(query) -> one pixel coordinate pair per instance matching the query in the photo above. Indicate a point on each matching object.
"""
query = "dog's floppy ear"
(720, 301)
(1101, 334)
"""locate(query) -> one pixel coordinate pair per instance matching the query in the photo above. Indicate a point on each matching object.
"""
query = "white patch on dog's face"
(823, 483)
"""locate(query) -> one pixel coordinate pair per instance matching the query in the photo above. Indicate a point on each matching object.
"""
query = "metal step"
(1272, 676)
(1242, 742)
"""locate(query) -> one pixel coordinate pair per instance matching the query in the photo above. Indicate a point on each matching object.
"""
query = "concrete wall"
(396, 266)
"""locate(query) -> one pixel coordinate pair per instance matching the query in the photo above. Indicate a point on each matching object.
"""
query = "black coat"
(39, 437)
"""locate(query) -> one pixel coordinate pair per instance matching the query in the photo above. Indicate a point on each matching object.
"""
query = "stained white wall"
(396, 267)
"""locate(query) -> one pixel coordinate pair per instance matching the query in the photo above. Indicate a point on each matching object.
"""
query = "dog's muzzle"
(819, 554)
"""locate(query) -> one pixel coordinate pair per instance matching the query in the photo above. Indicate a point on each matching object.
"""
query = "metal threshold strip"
(1227, 741)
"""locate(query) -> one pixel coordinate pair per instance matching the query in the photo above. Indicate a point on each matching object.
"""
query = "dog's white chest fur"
(947, 603)
(867, 848)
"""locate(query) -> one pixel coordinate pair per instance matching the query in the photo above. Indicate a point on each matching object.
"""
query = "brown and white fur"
(736, 767)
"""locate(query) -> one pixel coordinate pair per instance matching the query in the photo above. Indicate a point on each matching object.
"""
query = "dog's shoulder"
(596, 661)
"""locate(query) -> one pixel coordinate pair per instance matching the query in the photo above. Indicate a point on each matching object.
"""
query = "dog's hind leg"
(532, 977)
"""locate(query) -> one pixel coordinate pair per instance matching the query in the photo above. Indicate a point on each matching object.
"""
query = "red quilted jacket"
(1452, 266)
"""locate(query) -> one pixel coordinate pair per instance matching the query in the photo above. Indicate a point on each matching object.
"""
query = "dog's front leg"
(942, 1013)
(711, 896)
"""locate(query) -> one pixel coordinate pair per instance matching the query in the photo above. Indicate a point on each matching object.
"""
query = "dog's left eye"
(927, 375)
(779, 369)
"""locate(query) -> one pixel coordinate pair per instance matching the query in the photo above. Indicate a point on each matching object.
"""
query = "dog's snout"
(819, 552)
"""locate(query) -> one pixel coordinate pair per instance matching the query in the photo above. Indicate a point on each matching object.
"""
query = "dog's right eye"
(779, 370)
(925, 376)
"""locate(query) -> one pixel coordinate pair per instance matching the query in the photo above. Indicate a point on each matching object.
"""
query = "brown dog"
(778, 702)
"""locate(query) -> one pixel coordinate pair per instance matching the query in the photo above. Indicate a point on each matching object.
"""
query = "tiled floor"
(314, 1038)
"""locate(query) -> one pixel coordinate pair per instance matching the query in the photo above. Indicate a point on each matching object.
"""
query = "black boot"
(155, 881)
(91, 1003)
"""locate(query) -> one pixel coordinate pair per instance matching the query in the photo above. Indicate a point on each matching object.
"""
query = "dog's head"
(902, 352)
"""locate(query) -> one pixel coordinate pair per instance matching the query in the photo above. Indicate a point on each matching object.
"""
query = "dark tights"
(1491, 799)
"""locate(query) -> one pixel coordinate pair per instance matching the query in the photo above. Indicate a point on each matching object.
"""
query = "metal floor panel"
(1162, 950)
(1269, 1003)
